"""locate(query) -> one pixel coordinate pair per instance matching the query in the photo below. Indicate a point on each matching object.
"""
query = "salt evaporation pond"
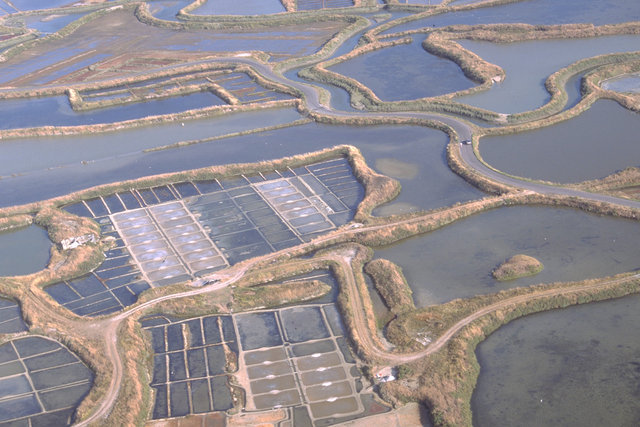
(523, 89)
(578, 366)
(456, 261)
(405, 72)
(628, 83)
(24, 251)
(433, 185)
(539, 12)
(593, 145)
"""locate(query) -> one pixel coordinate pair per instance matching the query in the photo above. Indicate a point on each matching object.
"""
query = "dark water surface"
(579, 366)
(24, 251)
(405, 72)
(537, 12)
(456, 261)
(597, 143)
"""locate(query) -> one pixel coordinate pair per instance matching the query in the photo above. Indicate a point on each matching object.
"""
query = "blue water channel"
(114, 157)
(56, 111)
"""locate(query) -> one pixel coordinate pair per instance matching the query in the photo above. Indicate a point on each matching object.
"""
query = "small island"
(517, 266)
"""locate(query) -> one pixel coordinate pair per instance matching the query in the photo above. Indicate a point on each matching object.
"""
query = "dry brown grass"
(267, 296)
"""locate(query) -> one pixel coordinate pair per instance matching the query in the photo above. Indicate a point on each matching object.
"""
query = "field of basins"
(172, 233)
(295, 357)
(41, 381)
(310, 213)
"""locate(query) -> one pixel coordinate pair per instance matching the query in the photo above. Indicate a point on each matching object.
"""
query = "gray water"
(405, 72)
(167, 9)
(579, 366)
(235, 7)
(24, 251)
(456, 261)
(61, 152)
(24, 5)
(595, 144)
(50, 24)
(523, 89)
(116, 156)
(56, 111)
(536, 12)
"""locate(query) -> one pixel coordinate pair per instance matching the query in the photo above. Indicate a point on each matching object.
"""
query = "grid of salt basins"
(190, 364)
(41, 381)
(10, 317)
(172, 233)
(294, 357)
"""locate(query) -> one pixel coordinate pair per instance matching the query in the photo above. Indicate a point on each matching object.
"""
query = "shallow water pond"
(111, 157)
(579, 366)
(597, 143)
(536, 12)
(235, 7)
(628, 83)
(24, 251)
(523, 89)
(405, 72)
(456, 261)
(56, 111)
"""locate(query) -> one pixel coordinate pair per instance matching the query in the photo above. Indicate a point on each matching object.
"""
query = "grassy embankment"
(446, 379)
(517, 266)
(390, 283)
(595, 79)
(624, 184)
(15, 222)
